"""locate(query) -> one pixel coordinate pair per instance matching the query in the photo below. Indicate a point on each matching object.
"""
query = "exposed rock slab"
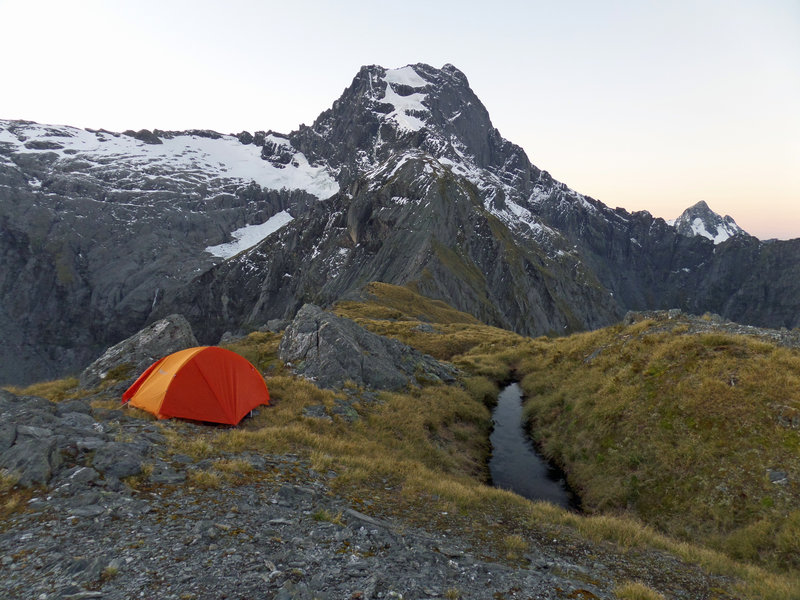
(136, 353)
(332, 350)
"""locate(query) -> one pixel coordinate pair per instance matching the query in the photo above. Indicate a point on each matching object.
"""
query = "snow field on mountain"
(403, 104)
(699, 228)
(405, 76)
(204, 158)
(250, 235)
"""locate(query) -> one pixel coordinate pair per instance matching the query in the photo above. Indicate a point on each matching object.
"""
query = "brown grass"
(56, 391)
(636, 590)
(678, 430)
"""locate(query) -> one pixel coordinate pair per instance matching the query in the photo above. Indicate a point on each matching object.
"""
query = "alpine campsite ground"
(671, 437)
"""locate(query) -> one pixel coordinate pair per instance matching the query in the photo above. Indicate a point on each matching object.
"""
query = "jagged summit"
(700, 220)
(419, 112)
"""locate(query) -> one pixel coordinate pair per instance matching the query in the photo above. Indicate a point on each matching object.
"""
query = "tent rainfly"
(203, 384)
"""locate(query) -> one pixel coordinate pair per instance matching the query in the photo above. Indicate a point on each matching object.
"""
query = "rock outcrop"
(135, 354)
(41, 441)
(332, 350)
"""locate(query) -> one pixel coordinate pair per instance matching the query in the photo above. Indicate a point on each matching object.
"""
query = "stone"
(118, 460)
(34, 460)
(144, 135)
(85, 570)
(778, 477)
(78, 420)
(73, 406)
(83, 475)
(165, 475)
(91, 511)
(90, 443)
(332, 350)
(8, 433)
(130, 357)
(316, 411)
(275, 325)
(29, 431)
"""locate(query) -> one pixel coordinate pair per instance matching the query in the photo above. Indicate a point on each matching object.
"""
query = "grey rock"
(90, 511)
(165, 475)
(83, 475)
(778, 477)
(332, 351)
(73, 406)
(317, 411)
(86, 570)
(90, 443)
(117, 460)
(275, 325)
(231, 336)
(136, 353)
(83, 595)
(34, 460)
(144, 135)
(8, 433)
(78, 420)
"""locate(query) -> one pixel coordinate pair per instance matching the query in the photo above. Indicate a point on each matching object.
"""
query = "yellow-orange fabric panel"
(204, 384)
(151, 387)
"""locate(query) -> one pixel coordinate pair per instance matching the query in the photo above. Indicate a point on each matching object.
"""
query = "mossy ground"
(667, 437)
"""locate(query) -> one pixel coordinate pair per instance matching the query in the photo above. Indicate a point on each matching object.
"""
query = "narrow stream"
(515, 464)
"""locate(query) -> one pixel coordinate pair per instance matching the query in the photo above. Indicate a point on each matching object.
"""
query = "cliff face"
(403, 180)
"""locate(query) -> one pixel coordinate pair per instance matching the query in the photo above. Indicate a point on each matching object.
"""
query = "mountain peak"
(700, 220)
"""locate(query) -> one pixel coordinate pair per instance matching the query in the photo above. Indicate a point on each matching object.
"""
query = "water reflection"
(515, 465)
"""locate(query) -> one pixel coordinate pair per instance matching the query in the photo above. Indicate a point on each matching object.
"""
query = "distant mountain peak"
(700, 220)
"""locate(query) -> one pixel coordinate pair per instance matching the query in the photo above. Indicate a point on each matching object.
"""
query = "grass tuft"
(636, 590)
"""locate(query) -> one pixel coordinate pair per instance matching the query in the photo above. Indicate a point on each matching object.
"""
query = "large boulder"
(332, 350)
(132, 356)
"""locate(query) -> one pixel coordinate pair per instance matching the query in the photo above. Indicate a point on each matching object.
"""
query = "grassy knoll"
(687, 432)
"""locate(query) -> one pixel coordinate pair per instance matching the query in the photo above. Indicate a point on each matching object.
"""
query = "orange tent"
(203, 384)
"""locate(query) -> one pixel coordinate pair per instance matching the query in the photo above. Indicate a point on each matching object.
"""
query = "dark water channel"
(515, 464)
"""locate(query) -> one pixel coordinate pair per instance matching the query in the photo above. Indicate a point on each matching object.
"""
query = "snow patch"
(250, 235)
(699, 228)
(405, 76)
(403, 105)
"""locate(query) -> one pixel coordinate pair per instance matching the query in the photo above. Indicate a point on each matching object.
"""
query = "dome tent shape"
(206, 383)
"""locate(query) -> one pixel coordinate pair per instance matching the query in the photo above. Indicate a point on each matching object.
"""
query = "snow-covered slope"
(700, 220)
(250, 235)
(138, 163)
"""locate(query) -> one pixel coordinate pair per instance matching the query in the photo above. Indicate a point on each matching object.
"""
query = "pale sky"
(648, 105)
